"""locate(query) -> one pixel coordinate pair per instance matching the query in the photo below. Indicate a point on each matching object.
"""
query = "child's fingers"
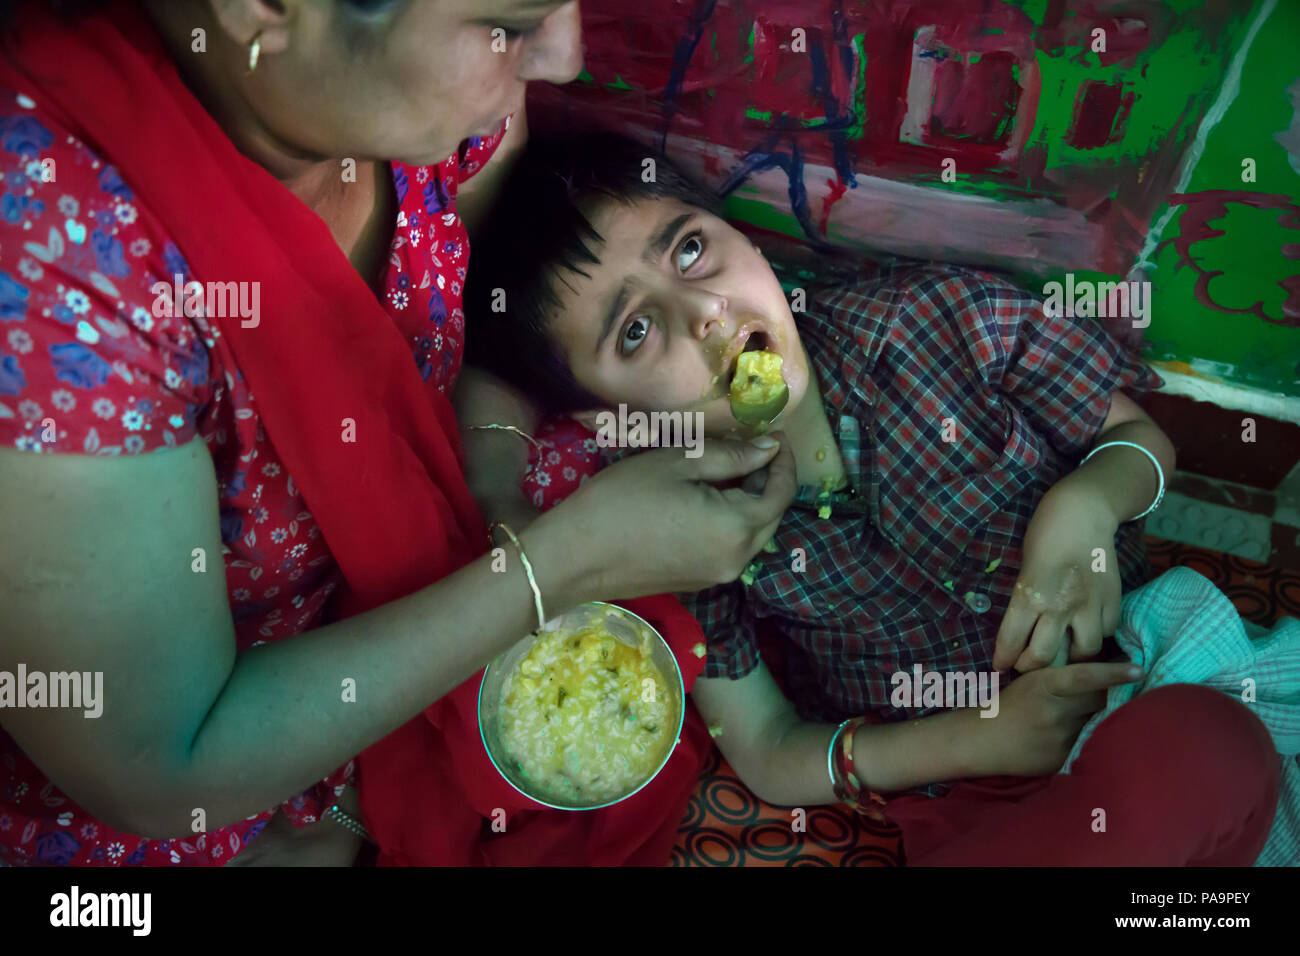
(1110, 615)
(1086, 635)
(1074, 680)
(1013, 634)
(1063, 652)
(1044, 644)
(1082, 706)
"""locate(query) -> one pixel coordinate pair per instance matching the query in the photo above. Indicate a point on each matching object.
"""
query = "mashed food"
(758, 391)
(585, 717)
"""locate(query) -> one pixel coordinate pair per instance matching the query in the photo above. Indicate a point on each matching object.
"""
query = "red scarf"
(393, 506)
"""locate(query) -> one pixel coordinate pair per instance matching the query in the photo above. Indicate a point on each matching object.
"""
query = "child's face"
(677, 296)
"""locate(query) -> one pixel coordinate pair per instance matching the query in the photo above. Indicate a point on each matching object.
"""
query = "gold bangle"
(510, 428)
(528, 568)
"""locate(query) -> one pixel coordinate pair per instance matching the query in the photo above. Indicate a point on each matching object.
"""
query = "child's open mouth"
(755, 342)
(756, 389)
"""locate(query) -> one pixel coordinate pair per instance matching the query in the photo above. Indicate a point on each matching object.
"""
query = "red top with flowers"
(87, 368)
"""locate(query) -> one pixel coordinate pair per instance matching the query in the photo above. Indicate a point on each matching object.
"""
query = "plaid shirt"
(917, 561)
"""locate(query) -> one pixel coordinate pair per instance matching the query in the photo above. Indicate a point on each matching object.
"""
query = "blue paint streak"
(765, 156)
(681, 61)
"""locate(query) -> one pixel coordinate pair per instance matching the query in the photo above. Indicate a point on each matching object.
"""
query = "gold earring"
(254, 52)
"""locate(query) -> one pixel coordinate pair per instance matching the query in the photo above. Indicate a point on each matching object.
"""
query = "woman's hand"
(1068, 579)
(1041, 714)
(655, 523)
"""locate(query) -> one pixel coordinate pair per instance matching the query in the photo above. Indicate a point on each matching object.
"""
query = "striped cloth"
(1183, 630)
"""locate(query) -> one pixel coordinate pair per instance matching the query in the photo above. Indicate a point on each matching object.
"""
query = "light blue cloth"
(1182, 630)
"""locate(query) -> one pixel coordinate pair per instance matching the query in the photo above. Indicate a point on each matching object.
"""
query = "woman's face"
(406, 80)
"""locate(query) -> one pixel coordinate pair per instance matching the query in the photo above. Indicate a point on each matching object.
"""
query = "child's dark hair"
(536, 234)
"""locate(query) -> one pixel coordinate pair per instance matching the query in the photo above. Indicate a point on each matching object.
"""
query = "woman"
(303, 164)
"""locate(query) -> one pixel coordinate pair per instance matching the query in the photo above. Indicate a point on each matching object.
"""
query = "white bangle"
(1160, 473)
(830, 755)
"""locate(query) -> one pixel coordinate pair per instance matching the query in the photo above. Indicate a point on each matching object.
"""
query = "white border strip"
(1227, 94)
(1284, 408)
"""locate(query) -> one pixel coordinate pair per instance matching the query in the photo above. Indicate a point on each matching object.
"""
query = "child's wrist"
(977, 754)
(951, 745)
(1086, 496)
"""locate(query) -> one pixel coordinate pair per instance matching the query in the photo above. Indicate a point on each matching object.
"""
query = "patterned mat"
(726, 825)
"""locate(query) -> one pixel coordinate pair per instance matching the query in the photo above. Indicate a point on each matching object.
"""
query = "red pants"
(1180, 776)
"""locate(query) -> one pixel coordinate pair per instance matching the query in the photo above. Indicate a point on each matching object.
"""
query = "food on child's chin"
(758, 392)
(585, 717)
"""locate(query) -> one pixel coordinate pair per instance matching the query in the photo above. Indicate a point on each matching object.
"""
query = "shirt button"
(978, 603)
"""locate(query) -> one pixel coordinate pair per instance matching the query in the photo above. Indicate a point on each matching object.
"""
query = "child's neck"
(812, 439)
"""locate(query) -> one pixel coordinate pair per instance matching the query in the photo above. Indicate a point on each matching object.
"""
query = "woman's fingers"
(724, 459)
(764, 511)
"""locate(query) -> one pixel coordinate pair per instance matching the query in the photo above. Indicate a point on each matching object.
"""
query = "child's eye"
(692, 246)
(514, 33)
(635, 334)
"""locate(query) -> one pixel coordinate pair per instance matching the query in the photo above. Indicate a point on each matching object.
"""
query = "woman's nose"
(554, 52)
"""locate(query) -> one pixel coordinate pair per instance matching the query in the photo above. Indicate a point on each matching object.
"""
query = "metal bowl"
(624, 626)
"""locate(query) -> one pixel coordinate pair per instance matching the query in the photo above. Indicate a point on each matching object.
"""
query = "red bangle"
(865, 801)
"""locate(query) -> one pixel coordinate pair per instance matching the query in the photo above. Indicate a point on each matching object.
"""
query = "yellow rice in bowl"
(586, 717)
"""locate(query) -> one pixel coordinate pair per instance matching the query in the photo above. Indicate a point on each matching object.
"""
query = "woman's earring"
(254, 52)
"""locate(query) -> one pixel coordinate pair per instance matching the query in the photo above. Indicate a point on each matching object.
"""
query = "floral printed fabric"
(87, 367)
(568, 456)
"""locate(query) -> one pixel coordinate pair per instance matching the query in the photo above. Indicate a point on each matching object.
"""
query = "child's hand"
(1041, 714)
(1068, 579)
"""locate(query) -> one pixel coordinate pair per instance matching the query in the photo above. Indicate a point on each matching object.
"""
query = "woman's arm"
(495, 459)
(106, 581)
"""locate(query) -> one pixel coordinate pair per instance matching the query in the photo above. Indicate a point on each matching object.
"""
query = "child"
(938, 420)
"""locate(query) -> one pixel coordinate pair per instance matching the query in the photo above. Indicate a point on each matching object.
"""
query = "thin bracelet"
(510, 428)
(528, 568)
(849, 789)
(348, 822)
(1160, 472)
(830, 758)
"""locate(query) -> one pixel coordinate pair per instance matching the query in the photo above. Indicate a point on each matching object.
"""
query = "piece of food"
(586, 717)
(758, 392)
